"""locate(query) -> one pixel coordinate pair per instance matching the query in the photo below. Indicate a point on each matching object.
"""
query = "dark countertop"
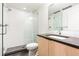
(70, 41)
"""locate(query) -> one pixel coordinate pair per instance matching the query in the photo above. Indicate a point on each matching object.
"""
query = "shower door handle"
(4, 26)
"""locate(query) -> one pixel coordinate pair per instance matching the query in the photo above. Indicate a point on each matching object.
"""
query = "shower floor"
(17, 51)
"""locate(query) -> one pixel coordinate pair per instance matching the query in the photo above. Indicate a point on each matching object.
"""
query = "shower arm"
(5, 29)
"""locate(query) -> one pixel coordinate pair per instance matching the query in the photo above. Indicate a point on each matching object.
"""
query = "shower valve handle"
(3, 29)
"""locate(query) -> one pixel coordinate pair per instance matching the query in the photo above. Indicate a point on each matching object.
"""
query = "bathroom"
(25, 25)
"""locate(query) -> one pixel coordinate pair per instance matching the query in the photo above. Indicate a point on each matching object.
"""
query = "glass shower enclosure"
(0, 29)
(20, 26)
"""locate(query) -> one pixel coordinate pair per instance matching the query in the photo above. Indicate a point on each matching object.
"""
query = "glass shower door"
(0, 29)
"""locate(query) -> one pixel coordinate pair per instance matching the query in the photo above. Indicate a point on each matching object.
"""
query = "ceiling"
(34, 6)
(58, 6)
(21, 6)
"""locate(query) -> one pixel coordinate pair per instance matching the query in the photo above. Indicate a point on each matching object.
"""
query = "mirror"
(63, 17)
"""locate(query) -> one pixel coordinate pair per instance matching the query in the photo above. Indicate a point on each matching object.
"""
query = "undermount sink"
(57, 37)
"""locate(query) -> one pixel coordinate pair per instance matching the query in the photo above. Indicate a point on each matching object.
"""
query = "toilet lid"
(32, 46)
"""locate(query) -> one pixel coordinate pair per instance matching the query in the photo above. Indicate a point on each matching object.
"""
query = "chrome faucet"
(59, 33)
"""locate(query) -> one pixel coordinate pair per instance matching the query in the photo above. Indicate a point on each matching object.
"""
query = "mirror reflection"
(63, 17)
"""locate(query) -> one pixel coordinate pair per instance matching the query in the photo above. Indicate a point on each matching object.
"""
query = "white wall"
(0, 29)
(20, 27)
(43, 19)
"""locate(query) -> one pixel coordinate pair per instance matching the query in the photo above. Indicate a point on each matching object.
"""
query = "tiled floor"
(17, 51)
(23, 53)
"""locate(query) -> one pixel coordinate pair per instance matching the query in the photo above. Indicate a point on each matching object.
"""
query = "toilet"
(32, 48)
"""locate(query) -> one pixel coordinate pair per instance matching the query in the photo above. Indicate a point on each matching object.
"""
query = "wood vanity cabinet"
(42, 46)
(52, 48)
(59, 49)
(71, 51)
(56, 49)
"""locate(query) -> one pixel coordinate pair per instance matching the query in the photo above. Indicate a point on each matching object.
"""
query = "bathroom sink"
(57, 37)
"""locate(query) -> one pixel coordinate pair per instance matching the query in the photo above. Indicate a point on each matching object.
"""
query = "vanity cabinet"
(59, 49)
(71, 51)
(56, 49)
(48, 47)
(42, 46)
